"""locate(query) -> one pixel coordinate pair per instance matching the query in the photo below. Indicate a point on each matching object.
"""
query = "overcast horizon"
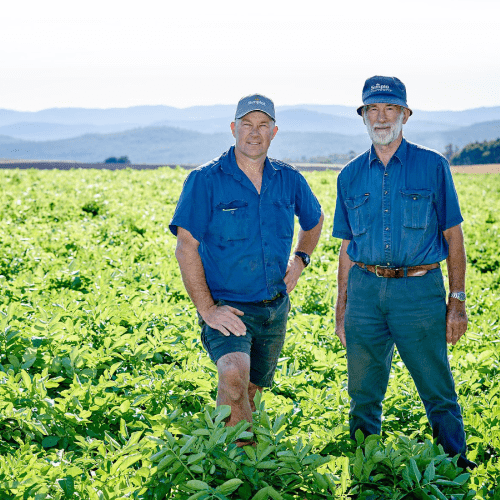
(118, 54)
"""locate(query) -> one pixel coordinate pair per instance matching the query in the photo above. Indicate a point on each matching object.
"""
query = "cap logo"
(378, 87)
(257, 101)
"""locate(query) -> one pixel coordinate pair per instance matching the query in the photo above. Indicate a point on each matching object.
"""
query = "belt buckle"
(376, 270)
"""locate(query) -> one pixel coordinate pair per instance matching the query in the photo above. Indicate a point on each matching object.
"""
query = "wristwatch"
(306, 259)
(458, 295)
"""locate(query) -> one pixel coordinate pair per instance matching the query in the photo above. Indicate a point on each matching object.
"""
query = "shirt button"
(388, 263)
(387, 229)
(386, 174)
(387, 246)
(386, 210)
(385, 192)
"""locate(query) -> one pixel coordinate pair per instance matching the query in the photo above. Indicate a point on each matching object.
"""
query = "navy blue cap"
(255, 102)
(384, 89)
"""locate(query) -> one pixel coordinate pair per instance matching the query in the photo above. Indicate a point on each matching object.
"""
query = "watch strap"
(306, 259)
(461, 296)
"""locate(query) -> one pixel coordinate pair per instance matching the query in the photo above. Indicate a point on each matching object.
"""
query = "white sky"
(108, 53)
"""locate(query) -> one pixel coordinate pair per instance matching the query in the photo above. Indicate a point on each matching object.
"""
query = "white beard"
(388, 135)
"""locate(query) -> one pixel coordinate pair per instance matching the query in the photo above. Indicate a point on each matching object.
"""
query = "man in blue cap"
(234, 224)
(398, 215)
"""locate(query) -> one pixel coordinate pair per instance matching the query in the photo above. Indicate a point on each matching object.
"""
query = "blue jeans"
(411, 314)
(263, 341)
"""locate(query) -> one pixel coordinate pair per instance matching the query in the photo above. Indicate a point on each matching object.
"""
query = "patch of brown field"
(494, 168)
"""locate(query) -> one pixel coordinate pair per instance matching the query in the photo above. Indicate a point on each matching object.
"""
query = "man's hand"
(293, 272)
(456, 320)
(340, 331)
(225, 319)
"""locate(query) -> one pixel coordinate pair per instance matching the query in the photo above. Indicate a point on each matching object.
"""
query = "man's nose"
(381, 117)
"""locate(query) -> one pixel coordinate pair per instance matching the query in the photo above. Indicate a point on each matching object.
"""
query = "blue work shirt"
(395, 215)
(245, 238)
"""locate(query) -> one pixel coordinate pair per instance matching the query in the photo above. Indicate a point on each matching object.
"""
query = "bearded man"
(398, 216)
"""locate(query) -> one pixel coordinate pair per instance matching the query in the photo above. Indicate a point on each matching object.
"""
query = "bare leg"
(234, 386)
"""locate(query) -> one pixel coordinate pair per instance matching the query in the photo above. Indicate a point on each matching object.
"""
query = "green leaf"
(262, 494)
(267, 465)
(430, 472)
(125, 406)
(50, 441)
(438, 492)
(462, 479)
(249, 450)
(274, 494)
(445, 482)
(358, 463)
(279, 423)
(68, 486)
(187, 446)
(196, 458)
(196, 484)
(406, 476)
(221, 413)
(414, 472)
(360, 437)
(229, 486)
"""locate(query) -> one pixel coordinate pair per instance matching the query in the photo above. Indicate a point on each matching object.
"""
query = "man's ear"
(406, 112)
(275, 131)
(233, 128)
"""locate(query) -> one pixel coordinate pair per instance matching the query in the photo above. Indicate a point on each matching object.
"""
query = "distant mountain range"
(163, 134)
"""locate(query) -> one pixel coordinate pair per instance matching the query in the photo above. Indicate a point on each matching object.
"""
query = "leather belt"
(398, 272)
(277, 296)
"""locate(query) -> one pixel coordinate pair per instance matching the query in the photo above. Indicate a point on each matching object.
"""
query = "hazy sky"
(182, 53)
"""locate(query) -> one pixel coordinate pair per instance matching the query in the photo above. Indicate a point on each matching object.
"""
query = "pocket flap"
(357, 201)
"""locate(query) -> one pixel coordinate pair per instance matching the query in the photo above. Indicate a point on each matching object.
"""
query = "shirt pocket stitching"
(415, 208)
(232, 220)
(359, 213)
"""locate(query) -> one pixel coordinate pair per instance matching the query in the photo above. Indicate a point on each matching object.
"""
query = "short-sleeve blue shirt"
(395, 216)
(245, 238)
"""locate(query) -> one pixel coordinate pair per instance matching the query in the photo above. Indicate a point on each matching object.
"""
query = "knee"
(234, 383)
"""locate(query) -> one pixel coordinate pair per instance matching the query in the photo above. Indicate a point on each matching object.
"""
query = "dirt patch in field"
(476, 169)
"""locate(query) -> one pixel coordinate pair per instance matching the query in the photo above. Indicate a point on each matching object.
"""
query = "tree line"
(476, 153)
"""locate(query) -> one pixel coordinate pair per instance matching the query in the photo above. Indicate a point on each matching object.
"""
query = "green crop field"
(106, 392)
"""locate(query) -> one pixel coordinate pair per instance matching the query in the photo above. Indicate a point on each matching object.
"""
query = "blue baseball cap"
(255, 102)
(384, 89)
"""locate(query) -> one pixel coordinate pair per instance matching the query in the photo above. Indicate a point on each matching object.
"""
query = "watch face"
(459, 295)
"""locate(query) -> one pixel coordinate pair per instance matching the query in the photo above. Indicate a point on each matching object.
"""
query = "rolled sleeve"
(307, 206)
(193, 208)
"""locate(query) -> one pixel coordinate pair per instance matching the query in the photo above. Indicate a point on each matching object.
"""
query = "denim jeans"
(411, 314)
(263, 341)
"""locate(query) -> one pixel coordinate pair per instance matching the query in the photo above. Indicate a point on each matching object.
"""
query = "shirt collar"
(230, 166)
(400, 153)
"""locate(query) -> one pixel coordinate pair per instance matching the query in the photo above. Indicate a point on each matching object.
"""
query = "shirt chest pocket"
(416, 208)
(231, 221)
(359, 213)
(282, 217)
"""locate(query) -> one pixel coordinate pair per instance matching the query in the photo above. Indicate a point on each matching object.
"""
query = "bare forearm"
(345, 264)
(307, 240)
(456, 314)
(456, 260)
(193, 277)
